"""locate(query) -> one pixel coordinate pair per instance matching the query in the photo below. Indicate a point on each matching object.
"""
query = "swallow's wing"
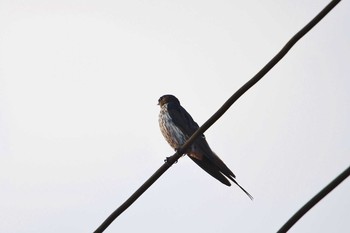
(182, 119)
(213, 170)
(203, 156)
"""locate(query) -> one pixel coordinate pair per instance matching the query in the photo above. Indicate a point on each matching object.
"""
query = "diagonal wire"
(300, 213)
(172, 159)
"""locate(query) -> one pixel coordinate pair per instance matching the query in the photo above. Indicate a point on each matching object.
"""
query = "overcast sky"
(79, 84)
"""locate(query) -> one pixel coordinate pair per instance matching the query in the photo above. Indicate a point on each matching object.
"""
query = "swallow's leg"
(168, 159)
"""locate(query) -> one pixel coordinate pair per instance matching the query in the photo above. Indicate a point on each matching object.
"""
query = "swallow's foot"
(168, 159)
(177, 150)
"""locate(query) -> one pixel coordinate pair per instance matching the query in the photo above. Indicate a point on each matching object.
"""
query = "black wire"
(172, 159)
(314, 201)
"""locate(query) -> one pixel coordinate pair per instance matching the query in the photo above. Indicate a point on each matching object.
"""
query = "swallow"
(177, 125)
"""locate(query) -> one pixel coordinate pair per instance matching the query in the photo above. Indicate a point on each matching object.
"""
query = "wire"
(314, 201)
(172, 159)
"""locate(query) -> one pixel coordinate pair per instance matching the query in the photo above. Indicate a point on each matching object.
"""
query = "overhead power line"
(172, 159)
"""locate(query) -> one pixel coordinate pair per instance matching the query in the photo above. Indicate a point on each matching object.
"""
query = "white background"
(79, 84)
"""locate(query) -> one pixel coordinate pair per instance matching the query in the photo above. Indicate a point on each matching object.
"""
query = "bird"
(177, 125)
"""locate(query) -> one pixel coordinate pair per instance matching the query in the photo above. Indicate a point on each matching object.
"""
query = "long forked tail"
(248, 194)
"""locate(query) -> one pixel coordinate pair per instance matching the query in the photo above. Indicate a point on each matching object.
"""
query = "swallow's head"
(167, 99)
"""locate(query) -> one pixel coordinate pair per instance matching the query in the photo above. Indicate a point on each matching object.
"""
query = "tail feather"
(218, 170)
(245, 191)
(211, 170)
(204, 149)
(227, 172)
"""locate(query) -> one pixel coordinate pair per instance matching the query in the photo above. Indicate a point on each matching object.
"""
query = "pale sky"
(79, 84)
